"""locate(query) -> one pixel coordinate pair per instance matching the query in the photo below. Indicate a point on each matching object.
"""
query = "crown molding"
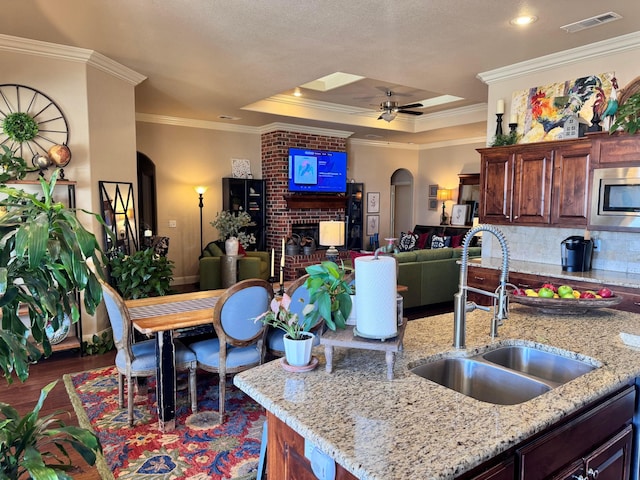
(325, 132)
(192, 123)
(92, 58)
(619, 44)
(453, 143)
(382, 144)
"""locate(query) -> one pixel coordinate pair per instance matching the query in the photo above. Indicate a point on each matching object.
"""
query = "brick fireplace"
(281, 218)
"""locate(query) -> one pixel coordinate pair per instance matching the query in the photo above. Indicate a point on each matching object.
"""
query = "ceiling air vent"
(591, 22)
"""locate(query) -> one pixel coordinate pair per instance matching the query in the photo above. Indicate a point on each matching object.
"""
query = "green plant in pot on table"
(329, 290)
(298, 340)
(45, 254)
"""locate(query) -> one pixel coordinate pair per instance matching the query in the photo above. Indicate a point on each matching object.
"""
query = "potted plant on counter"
(298, 340)
(330, 292)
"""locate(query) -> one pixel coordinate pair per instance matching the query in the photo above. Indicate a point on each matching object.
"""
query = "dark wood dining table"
(162, 316)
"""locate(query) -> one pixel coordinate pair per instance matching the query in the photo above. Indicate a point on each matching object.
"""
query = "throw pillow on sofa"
(423, 241)
(440, 242)
(407, 241)
(456, 240)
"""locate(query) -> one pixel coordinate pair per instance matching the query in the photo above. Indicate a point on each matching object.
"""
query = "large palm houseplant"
(45, 257)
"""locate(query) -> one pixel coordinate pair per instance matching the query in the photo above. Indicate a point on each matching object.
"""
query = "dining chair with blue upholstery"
(299, 298)
(138, 359)
(240, 342)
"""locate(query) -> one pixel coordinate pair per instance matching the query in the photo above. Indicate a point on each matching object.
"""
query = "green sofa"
(431, 275)
(251, 265)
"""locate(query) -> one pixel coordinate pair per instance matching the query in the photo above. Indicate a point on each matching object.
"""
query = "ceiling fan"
(390, 108)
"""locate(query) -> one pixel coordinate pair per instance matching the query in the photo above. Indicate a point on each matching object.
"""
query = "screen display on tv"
(317, 171)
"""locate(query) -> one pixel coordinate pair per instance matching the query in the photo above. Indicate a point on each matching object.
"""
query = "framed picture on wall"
(459, 214)
(433, 204)
(373, 202)
(373, 222)
(433, 191)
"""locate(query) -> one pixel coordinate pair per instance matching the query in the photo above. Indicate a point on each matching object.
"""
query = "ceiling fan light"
(388, 115)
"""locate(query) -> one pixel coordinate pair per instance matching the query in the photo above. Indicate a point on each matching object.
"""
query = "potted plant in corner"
(45, 254)
(142, 274)
(298, 340)
(330, 293)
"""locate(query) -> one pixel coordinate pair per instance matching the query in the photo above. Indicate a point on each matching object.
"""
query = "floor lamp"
(200, 190)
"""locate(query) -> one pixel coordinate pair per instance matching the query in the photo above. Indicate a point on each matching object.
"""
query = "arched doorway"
(147, 200)
(401, 202)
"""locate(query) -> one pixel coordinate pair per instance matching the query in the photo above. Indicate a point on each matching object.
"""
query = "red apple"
(519, 292)
(587, 295)
(551, 287)
(605, 292)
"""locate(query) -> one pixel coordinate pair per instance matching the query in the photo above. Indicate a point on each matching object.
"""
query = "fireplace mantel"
(296, 202)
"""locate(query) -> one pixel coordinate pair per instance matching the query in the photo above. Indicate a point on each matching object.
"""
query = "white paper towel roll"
(376, 297)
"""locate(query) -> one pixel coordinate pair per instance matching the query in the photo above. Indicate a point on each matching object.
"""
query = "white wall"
(186, 157)
(99, 108)
(441, 166)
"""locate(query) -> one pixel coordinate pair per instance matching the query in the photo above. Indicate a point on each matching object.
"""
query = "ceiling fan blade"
(411, 105)
(410, 112)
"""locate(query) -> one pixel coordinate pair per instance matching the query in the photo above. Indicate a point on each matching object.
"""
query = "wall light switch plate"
(173, 224)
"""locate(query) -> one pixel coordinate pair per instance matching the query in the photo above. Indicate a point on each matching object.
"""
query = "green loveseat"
(251, 265)
(431, 275)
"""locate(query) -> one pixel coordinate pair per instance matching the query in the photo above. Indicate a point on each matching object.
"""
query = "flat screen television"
(317, 171)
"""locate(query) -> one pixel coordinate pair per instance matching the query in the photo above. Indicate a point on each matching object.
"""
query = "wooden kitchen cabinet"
(285, 454)
(570, 192)
(598, 439)
(619, 149)
(489, 278)
(531, 195)
(536, 184)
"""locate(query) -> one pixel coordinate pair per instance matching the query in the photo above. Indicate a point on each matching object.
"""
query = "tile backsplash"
(619, 251)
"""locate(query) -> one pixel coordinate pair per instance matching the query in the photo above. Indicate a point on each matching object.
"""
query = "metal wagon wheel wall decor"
(33, 127)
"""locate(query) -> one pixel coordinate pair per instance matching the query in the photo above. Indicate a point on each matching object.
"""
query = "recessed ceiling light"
(523, 20)
(297, 92)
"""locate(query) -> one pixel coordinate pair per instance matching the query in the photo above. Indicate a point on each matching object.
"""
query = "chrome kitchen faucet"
(500, 299)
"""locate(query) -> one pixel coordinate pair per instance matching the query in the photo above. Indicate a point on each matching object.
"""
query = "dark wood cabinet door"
(571, 185)
(503, 471)
(496, 181)
(486, 279)
(612, 460)
(532, 186)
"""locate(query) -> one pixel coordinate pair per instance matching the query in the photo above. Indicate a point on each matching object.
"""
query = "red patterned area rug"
(199, 448)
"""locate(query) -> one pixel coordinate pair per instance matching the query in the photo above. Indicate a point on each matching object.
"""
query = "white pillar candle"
(273, 254)
(500, 106)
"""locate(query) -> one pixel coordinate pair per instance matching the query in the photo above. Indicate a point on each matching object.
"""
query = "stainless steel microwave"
(615, 197)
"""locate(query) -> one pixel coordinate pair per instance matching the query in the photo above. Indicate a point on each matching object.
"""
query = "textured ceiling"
(243, 58)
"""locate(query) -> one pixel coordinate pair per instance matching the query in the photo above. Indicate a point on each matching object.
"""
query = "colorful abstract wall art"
(541, 111)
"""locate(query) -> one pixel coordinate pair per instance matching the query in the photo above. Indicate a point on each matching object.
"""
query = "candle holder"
(512, 127)
(281, 290)
(499, 124)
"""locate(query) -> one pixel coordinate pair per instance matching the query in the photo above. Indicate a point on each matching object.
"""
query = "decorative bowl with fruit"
(564, 299)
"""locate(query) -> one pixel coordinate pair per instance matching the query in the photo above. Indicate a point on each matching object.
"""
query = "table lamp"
(444, 195)
(332, 235)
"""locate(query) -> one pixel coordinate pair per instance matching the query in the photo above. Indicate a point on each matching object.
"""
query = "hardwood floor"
(23, 396)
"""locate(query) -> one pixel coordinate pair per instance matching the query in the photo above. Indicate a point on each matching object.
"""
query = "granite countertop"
(610, 277)
(410, 427)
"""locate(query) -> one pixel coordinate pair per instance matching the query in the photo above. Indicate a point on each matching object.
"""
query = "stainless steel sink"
(538, 363)
(482, 381)
(504, 376)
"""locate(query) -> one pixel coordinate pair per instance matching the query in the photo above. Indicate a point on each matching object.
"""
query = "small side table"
(229, 264)
(346, 338)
